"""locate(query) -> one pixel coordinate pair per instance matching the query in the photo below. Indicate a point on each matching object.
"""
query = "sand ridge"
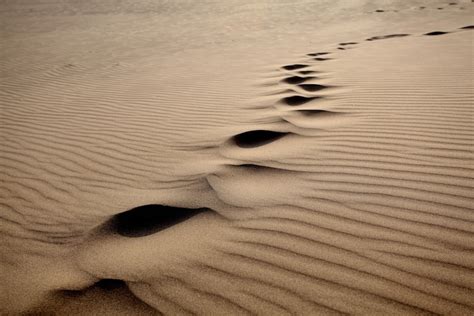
(344, 187)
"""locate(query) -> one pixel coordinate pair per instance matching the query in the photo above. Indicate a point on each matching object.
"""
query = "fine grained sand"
(299, 157)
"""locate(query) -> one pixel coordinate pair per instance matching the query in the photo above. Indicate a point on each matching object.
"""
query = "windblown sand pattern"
(328, 179)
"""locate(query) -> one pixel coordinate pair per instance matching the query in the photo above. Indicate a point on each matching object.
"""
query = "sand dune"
(227, 158)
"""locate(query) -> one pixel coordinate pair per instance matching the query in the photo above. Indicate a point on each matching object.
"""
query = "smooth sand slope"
(272, 158)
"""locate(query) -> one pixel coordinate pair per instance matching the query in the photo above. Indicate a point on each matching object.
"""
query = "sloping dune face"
(227, 157)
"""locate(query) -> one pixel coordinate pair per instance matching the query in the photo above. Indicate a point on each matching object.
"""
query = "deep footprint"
(306, 72)
(294, 66)
(312, 87)
(321, 58)
(318, 54)
(374, 38)
(110, 284)
(348, 43)
(436, 33)
(296, 79)
(149, 219)
(257, 168)
(103, 285)
(257, 138)
(314, 112)
(297, 100)
(468, 27)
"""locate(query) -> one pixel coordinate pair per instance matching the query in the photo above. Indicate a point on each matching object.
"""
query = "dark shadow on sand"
(294, 66)
(312, 87)
(435, 33)
(149, 219)
(297, 100)
(257, 138)
(296, 79)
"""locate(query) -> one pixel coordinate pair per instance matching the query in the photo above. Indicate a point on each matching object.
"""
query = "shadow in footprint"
(257, 138)
(306, 72)
(348, 43)
(379, 11)
(297, 100)
(321, 58)
(294, 66)
(312, 87)
(250, 166)
(315, 112)
(375, 38)
(103, 284)
(296, 79)
(318, 54)
(468, 27)
(435, 33)
(149, 219)
(257, 168)
(110, 284)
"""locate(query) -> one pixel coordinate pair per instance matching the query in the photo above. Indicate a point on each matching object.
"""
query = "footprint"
(435, 33)
(374, 38)
(468, 27)
(311, 113)
(318, 54)
(251, 185)
(321, 58)
(294, 66)
(318, 119)
(379, 11)
(110, 284)
(312, 87)
(306, 72)
(149, 219)
(257, 138)
(102, 284)
(348, 43)
(297, 100)
(452, 3)
(252, 166)
(296, 79)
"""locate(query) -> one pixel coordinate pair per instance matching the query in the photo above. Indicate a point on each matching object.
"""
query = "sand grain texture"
(270, 167)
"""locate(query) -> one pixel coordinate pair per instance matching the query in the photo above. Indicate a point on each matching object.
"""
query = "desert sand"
(236, 157)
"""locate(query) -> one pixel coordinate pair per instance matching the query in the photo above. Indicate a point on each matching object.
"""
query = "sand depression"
(228, 157)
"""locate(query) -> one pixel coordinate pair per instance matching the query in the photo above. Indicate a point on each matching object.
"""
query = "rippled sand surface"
(236, 157)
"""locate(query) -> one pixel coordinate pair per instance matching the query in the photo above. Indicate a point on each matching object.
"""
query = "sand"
(231, 157)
